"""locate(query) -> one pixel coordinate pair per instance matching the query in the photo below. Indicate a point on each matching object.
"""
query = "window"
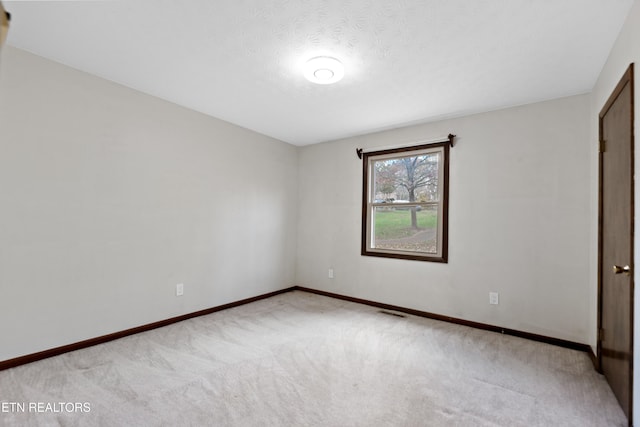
(405, 203)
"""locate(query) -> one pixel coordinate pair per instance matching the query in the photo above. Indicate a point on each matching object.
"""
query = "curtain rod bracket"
(359, 152)
(451, 136)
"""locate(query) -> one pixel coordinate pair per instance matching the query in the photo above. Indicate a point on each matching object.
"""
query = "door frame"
(627, 78)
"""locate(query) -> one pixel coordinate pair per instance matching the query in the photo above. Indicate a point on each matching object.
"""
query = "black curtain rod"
(450, 137)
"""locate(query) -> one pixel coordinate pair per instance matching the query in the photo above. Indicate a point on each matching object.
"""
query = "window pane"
(406, 179)
(409, 229)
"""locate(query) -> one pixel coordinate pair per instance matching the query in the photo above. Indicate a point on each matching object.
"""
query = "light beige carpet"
(300, 359)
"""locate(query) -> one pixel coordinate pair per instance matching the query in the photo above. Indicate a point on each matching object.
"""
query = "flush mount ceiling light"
(323, 70)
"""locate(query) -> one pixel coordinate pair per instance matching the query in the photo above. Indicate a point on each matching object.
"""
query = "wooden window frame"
(443, 215)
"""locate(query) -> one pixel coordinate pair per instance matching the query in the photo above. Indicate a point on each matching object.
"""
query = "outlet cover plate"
(494, 298)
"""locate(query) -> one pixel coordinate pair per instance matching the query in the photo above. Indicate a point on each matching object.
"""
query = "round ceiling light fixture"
(323, 70)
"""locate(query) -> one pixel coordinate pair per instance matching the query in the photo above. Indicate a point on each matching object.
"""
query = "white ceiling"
(406, 61)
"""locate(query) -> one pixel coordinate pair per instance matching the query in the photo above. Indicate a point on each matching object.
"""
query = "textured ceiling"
(406, 61)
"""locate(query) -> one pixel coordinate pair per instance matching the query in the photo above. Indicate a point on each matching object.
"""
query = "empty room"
(318, 213)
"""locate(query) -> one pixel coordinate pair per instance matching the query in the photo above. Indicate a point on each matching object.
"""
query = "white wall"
(519, 221)
(109, 198)
(625, 51)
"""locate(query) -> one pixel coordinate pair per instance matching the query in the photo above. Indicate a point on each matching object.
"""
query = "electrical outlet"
(331, 273)
(179, 289)
(494, 298)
